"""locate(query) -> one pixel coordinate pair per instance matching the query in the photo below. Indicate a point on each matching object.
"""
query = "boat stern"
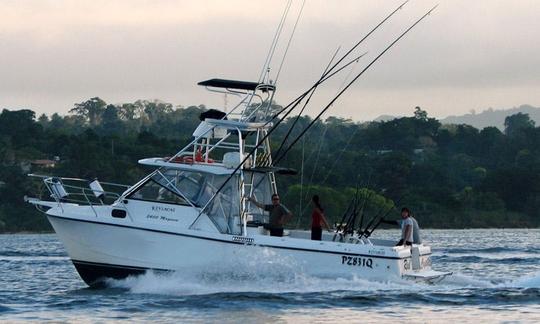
(417, 266)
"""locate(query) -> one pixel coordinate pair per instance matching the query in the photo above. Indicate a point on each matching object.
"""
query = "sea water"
(496, 279)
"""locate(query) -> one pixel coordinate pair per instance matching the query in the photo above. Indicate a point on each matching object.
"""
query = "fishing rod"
(362, 210)
(324, 73)
(297, 101)
(343, 229)
(352, 217)
(342, 220)
(377, 215)
(339, 61)
(352, 49)
(353, 81)
(367, 233)
(356, 211)
(323, 78)
(294, 104)
(365, 202)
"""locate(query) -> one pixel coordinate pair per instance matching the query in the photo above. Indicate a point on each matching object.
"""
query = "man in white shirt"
(410, 231)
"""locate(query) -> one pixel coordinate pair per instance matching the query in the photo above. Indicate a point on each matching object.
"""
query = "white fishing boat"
(192, 211)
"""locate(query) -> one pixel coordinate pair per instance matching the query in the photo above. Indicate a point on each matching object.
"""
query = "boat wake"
(279, 281)
(531, 281)
(265, 272)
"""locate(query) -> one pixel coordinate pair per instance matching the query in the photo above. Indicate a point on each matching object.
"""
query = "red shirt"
(316, 218)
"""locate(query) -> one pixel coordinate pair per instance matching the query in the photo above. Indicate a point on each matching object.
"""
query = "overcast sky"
(466, 55)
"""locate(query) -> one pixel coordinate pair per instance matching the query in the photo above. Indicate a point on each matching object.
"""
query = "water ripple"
(39, 283)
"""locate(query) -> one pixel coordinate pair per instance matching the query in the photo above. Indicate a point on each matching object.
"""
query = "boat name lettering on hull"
(165, 209)
(357, 261)
(163, 218)
(242, 239)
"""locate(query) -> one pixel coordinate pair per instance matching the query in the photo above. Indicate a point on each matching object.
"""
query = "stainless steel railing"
(79, 191)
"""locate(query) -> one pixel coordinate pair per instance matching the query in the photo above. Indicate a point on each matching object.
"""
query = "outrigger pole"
(352, 82)
(298, 100)
(323, 78)
(329, 74)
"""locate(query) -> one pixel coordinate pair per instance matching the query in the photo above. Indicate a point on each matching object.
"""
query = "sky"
(467, 55)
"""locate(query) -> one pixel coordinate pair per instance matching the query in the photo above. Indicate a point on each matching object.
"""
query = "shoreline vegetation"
(451, 176)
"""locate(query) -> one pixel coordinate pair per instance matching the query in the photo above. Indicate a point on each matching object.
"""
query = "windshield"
(200, 189)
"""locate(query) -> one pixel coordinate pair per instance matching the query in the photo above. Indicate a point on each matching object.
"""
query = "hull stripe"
(230, 242)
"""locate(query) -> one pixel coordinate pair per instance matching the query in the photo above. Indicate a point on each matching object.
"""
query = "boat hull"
(102, 250)
(95, 274)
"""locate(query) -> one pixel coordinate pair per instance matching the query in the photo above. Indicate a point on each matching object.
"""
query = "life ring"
(188, 159)
(180, 159)
(199, 157)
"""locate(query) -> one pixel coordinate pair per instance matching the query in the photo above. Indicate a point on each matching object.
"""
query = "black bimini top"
(229, 84)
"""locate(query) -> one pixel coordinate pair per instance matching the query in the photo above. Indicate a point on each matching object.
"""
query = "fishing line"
(322, 141)
(339, 61)
(354, 80)
(289, 42)
(298, 100)
(309, 99)
(274, 43)
(305, 104)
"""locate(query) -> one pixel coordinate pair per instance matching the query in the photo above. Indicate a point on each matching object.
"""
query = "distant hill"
(489, 117)
(493, 117)
(385, 118)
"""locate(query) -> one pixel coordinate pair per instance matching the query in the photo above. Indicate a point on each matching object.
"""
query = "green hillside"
(451, 176)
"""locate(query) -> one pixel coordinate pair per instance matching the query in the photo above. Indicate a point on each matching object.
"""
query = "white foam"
(268, 272)
(182, 283)
(464, 281)
(531, 281)
(261, 272)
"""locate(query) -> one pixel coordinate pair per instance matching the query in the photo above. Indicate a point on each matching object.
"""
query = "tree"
(43, 120)
(91, 110)
(156, 109)
(20, 126)
(420, 114)
(127, 111)
(515, 124)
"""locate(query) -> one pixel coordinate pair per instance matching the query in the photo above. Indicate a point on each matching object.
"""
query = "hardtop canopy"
(229, 84)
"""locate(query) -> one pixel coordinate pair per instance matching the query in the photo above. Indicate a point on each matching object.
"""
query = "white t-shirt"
(404, 223)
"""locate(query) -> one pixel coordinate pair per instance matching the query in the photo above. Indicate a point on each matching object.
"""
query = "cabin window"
(224, 208)
(154, 191)
(198, 189)
(187, 184)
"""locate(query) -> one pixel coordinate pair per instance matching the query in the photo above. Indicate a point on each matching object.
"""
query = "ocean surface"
(496, 279)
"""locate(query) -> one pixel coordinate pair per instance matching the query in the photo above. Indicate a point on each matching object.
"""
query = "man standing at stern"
(279, 214)
(410, 231)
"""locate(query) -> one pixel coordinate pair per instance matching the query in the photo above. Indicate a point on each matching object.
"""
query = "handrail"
(78, 194)
(77, 179)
